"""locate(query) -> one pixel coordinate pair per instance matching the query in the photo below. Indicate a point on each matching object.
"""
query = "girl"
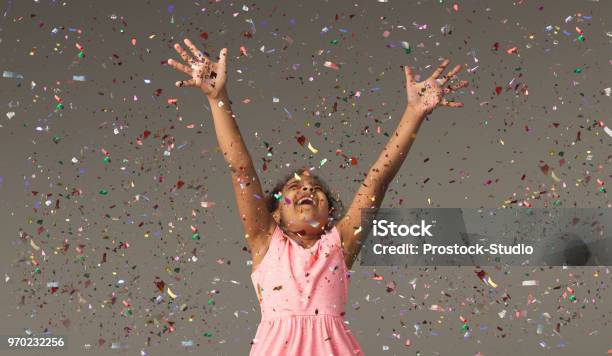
(300, 258)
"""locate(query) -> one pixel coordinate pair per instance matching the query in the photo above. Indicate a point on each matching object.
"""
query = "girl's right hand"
(205, 74)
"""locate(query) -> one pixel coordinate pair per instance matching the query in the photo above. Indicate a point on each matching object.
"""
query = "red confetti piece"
(301, 140)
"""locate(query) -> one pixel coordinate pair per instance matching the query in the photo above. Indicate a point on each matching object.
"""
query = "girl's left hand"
(427, 95)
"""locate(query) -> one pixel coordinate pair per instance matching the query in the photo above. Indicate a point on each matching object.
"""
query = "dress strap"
(335, 237)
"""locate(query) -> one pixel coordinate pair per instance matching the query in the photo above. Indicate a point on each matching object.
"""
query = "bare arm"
(423, 98)
(210, 77)
(257, 221)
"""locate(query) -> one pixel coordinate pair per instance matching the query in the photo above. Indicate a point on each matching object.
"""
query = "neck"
(303, 235)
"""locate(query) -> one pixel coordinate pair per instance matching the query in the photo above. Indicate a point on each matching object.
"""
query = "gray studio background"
(549, 112)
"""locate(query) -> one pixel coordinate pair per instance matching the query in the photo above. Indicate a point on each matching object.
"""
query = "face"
(304, 207)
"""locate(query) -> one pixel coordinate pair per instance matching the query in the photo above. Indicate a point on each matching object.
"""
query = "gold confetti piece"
(172, 295)
(296, 176)
(608, 131)
(312, 149)
(34, 246)
(554, 176)
(502, 142)
(491, 283)
(357, 231)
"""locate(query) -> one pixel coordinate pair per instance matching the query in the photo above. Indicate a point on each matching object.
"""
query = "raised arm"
(423, 97)
(210, 77)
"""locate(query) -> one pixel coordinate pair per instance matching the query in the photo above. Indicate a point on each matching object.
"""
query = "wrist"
(219, 96)
(416, 111)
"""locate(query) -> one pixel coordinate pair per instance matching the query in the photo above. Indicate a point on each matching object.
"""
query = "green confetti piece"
(195, 236)
(572, 298)
(464, 327)
(107, 159)
(177, 270)
(408, 50)
(602, 190)
(581, 38)
(56, 139)
(557, 202)
(59, 106)
(208, 334)
(578, 70)
(103, 192)
(334, 42)
(81, 54)
(128, 312)
(211, 301)
(37, 270)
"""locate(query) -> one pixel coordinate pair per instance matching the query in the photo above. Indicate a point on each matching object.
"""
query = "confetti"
(170, 293)
(9, 74)
(529, 283)
(312, 149)
(207, 204)
(331, 65)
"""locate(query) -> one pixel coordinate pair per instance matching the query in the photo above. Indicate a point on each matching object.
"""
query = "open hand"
(427, 95)
(205, 74)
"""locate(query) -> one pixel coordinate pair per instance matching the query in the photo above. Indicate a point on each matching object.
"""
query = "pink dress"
(302, 293)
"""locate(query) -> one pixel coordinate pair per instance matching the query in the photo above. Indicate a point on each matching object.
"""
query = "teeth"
(304, 199)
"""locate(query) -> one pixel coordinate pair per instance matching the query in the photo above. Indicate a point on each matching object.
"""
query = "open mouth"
(306, 201)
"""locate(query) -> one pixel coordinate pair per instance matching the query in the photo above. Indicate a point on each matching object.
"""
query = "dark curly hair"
(336, 208)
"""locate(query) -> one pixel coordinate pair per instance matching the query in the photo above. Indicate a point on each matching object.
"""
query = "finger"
(183, 53)
(196, 52)
(440, 69)
(186, 83)
(409, 74)
(223, 58)
(461, 84)
(452, 104)
(451, 74)
(179, 66)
